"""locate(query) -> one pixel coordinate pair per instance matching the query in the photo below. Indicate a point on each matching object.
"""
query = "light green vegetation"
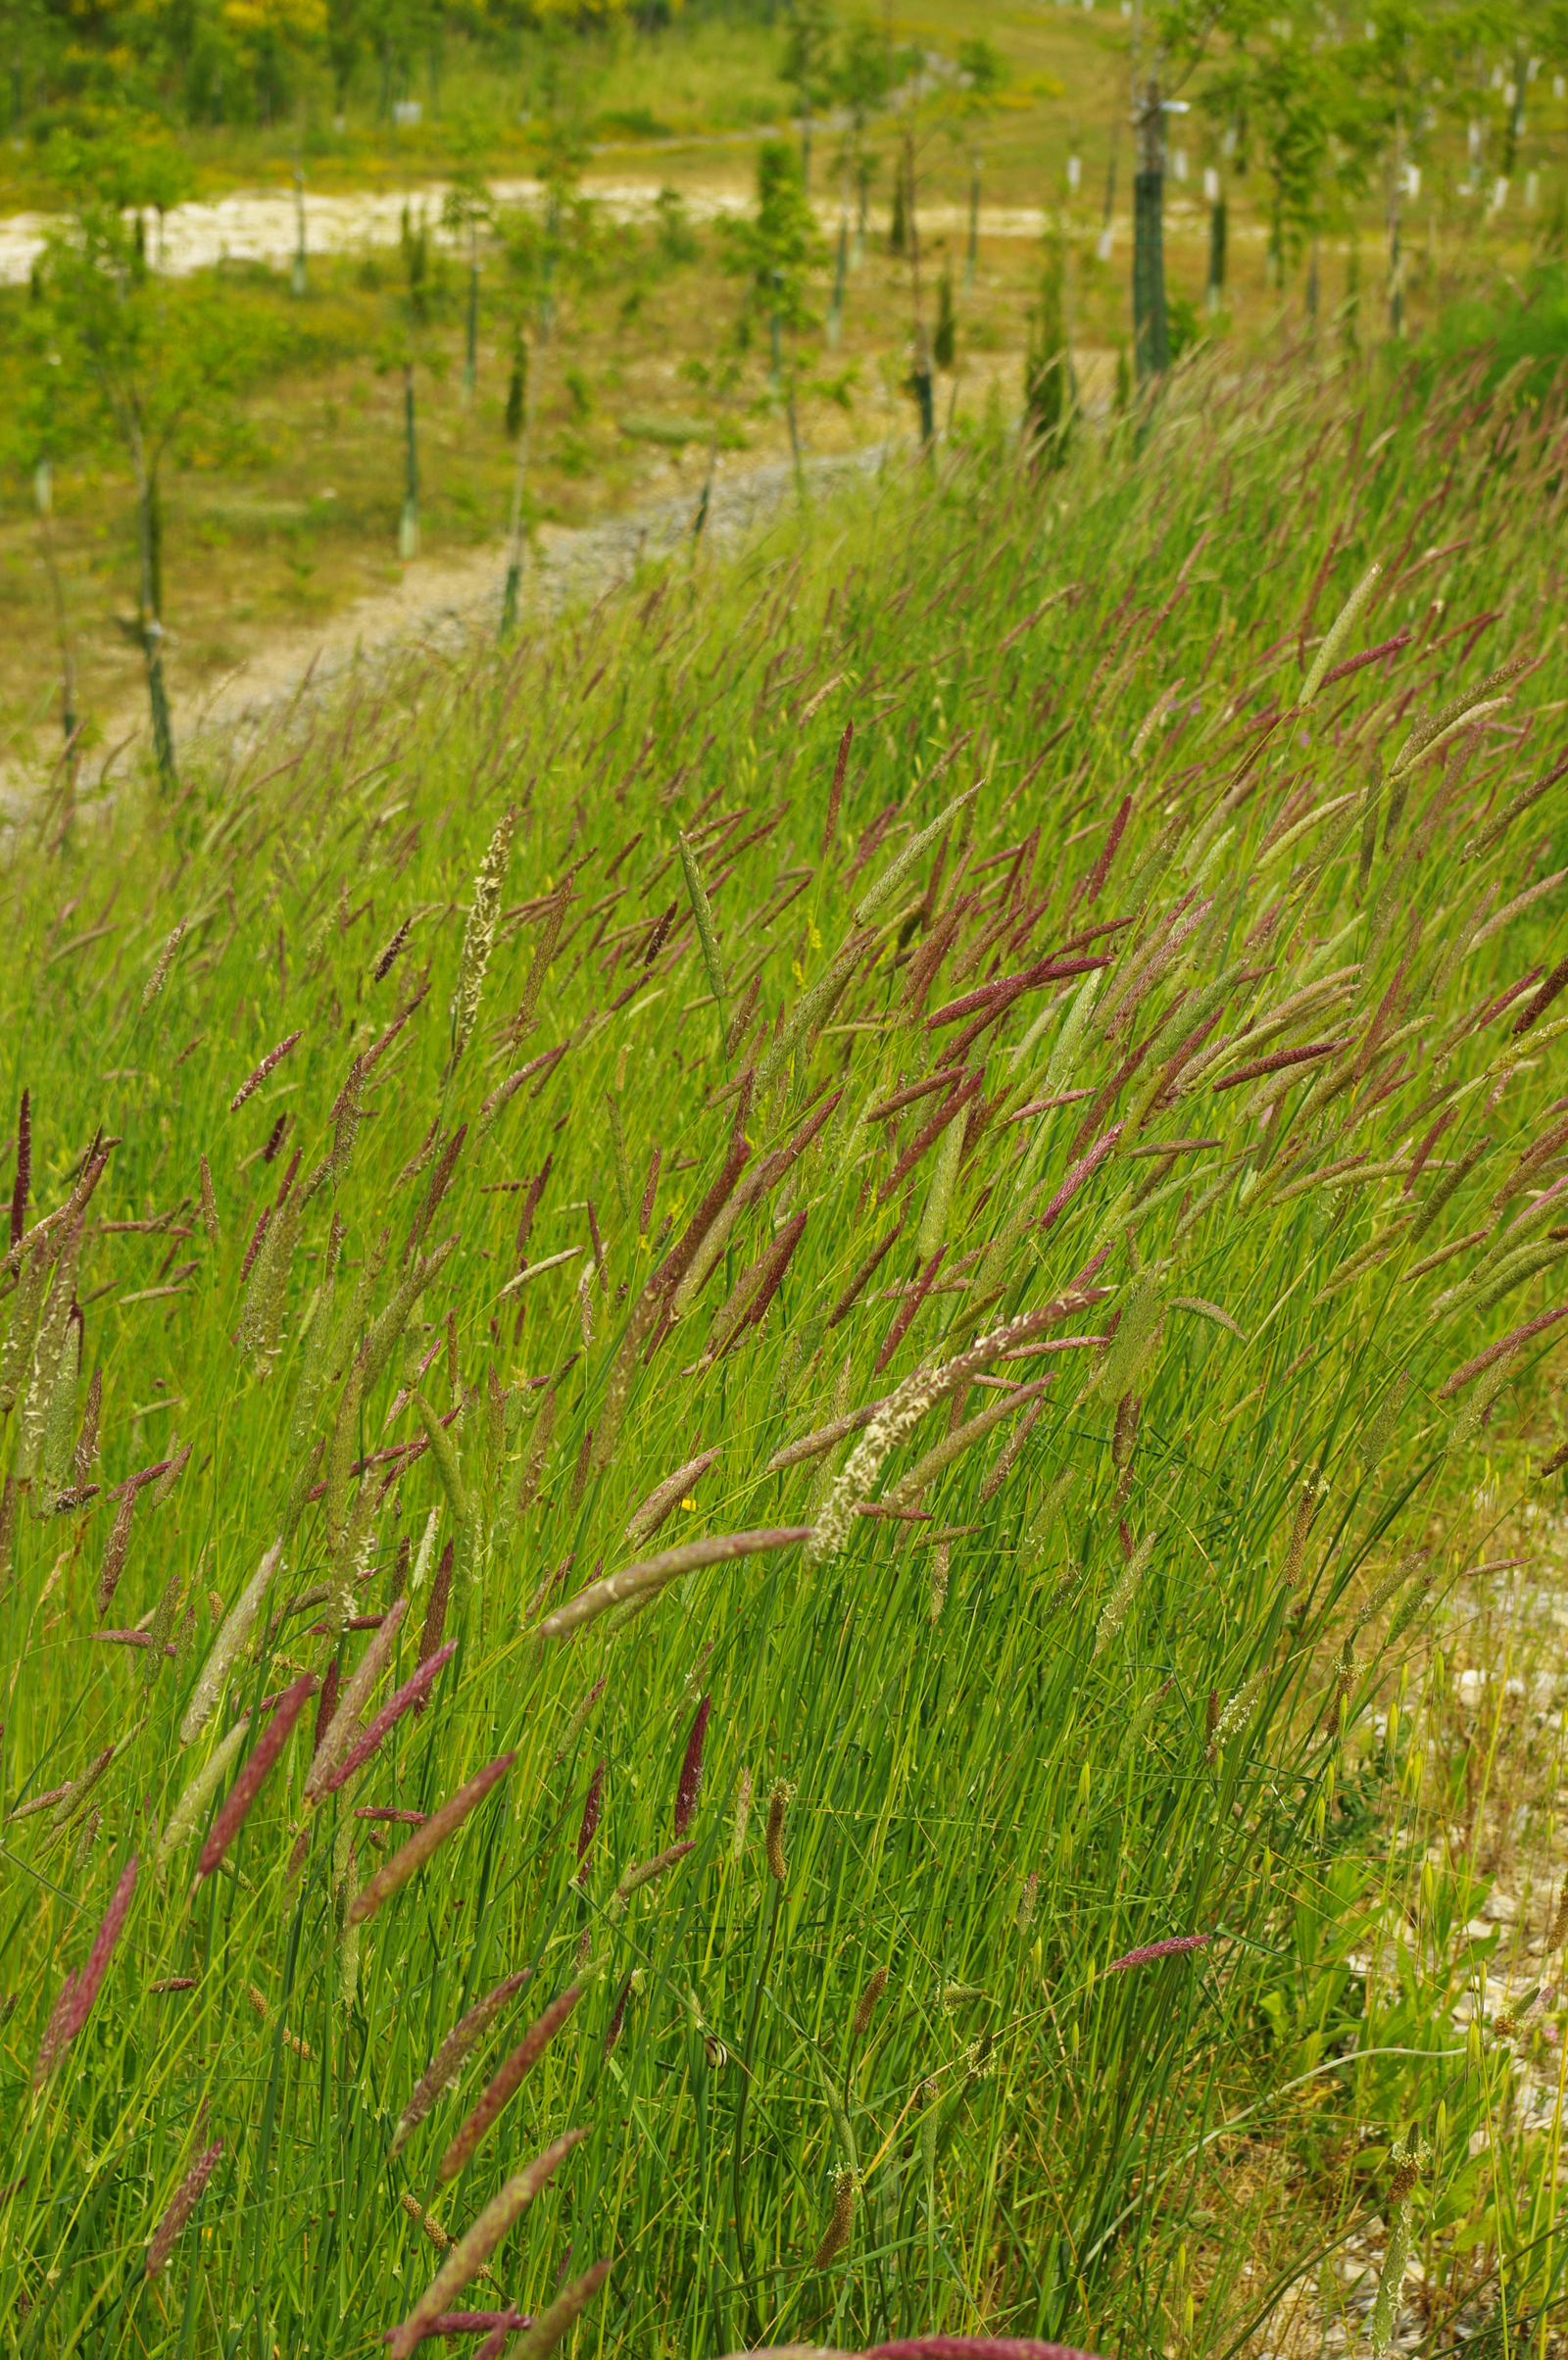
(280, 495)
(592, 1171)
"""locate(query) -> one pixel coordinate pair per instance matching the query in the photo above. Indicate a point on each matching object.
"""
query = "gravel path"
(262, 224)
(442, 609)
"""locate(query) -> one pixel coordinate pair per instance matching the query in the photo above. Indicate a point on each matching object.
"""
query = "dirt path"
(262, 224)
(442, 608)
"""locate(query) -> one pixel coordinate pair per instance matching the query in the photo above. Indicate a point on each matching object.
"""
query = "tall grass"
(1090, 1063)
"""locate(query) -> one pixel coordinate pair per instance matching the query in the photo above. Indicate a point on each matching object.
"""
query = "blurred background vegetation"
(414, 276)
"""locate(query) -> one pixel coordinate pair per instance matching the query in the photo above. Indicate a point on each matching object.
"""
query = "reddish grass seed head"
(1102, 868)
(410, 1697)
(475, 2323)
(210, 1220)
(529, 2049)
(1169, 1948)
(444, 2066)
(181, 2208)
(159, 974)
(75, 2003)
(589, 1825)
(836, 791)
(394, 1874)
(837, 2234)
(645, 1211)
(358, 1689)
(435, 1615)
(388, 958)
(254, 1080)
(115, 1548)
(326, 1706)
(495, 2342)
(237, 1803)
(690, 1770)
(258, 1236)
(617, 2014)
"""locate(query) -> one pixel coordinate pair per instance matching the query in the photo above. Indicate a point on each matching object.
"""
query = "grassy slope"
(254, 543)
(1009, 1759)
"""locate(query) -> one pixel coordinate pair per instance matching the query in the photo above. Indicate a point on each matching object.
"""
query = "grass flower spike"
(75, 2003)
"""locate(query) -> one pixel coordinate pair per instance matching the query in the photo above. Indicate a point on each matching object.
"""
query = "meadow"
(808, 1296)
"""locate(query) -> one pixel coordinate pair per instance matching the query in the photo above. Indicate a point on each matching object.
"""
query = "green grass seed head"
(1336, 634)
(1043, 1522)
(1473, 1414)
(778, 1805)
(466, 2256)
(1372, 1445)
(1064, 1055)
(707, 932)
(1397, 2255)
(743, 1815)
(199, 1792)
(643, 1872)
(786, 1638)
(1114, 1612)
(1135, 1341)
(165, 959)
(478, 935)
(877, 895)
(555, 2320)
(939, 1200)
(82, 1851)
(740, 1022)
(1306, 1506)
(226, 1648)
(1007, 1458)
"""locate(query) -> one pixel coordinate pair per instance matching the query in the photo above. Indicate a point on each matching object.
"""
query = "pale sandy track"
(261, 224)
(443, 608)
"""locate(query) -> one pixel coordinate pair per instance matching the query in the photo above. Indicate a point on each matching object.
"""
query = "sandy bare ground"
(262, 224)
